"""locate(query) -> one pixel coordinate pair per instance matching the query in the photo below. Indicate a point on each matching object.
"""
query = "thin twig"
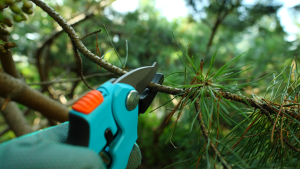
(98, 31)
(265, 112)
(76, 53)
(206, 137)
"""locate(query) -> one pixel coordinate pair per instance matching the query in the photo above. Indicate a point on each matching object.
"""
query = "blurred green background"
(231, 27)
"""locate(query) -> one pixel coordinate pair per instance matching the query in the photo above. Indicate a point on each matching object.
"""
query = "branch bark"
(7, 61)
(113, 69)
(48, 42)
(15, 119)
(74, 37)
(21, 93)
(206, 137)
(160, 88)
(11, 113)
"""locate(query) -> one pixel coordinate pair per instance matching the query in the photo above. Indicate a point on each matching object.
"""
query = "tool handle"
(91, 119)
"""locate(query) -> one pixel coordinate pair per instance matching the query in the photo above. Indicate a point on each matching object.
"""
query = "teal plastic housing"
(100, 119)
(113, 114)
(127, 122)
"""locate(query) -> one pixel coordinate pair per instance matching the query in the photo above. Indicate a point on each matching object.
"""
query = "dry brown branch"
(48, 42)
(15, 119)
(95, 32)
(74, 37)
(31, 98)
(79, 63)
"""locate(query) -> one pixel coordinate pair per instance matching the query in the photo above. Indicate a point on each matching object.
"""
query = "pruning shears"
(106, 119)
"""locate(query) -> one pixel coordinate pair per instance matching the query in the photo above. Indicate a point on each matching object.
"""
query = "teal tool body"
(108, 116)
(104, 120)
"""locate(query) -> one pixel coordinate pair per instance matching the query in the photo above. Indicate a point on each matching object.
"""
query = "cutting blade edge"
(139, 78)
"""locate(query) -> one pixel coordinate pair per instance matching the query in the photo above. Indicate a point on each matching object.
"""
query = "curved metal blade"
(139, 78)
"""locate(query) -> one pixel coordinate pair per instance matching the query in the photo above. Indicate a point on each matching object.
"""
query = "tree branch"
(21, 93)
(48, 42)
(160, 88)
(12, 113)
(15, 118)
(206, 137)
(111, 68)
(218, 21)
(7, 61)
(57, 33)
(74, 37)
(79, 63)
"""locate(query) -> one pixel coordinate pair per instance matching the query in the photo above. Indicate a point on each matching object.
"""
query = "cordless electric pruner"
(106, 119)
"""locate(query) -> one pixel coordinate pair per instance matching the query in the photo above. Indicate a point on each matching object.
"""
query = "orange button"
(88, 102)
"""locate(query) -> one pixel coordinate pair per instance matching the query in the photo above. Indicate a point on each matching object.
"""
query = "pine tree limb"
(113, 69)
(206, 137)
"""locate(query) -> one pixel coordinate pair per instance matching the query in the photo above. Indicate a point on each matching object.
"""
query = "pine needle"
(247, 129)
(281, 135)
(5, 103)
(201, 66)
(113, 46)
(275, 123)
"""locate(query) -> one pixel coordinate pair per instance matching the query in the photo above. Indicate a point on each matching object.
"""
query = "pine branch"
(218, 21)
(206, 137)
(114, 69)
(266, 112)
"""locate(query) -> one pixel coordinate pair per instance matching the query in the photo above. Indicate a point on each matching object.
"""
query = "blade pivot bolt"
(132, 100)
